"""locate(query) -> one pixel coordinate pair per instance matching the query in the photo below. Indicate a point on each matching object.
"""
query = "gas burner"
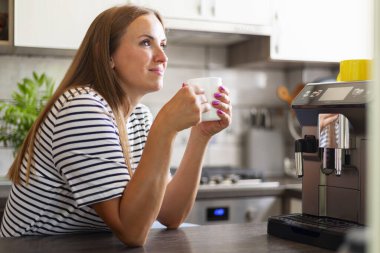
(227, 175)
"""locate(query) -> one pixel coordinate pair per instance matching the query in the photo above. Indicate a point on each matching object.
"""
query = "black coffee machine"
(331, 159)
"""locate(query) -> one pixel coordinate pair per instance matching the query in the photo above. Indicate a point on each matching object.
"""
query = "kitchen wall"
(249, 88)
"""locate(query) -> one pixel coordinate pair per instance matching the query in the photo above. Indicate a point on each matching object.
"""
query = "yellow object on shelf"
(355, 70)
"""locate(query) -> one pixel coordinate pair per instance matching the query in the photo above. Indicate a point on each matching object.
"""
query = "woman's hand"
(183, 110)
(223, 105)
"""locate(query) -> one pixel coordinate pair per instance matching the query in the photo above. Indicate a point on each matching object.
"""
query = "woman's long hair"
(91, 65)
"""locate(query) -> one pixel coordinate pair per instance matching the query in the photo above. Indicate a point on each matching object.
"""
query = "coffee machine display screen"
(335, 93)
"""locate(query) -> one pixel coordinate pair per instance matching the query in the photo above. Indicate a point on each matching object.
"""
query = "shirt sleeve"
(148, 118)
(87, 151)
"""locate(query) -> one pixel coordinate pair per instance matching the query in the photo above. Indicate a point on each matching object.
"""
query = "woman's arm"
(131, 216)
(182, 189)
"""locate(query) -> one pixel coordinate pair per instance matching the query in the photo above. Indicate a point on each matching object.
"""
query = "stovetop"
(228, 176)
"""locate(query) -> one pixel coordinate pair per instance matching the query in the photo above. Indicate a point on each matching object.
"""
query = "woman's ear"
(112, 63)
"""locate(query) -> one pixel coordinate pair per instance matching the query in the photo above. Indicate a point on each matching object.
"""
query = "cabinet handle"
(213, 8)
(199, 9)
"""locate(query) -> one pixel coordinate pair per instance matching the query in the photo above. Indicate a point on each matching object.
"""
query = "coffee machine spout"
(306, 145)
(334, 139)
(339, 156)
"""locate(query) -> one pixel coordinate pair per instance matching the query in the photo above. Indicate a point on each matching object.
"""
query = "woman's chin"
(159, 86)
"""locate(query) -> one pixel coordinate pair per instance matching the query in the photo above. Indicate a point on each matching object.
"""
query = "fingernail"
(215, 102)
(221, 88)
(183, 85)
(217, 95)
(219, 111)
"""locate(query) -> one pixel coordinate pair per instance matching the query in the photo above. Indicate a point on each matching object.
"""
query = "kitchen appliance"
(233, 195)
(331, 159)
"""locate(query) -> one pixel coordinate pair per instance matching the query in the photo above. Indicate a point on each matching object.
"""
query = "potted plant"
(17, 116)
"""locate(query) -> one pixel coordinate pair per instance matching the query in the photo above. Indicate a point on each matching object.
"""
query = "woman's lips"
(157, 71)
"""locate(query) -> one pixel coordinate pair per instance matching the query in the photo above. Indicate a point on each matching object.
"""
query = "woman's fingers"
(224, 90)
(223, 97)
(221, 106)
(225, 118)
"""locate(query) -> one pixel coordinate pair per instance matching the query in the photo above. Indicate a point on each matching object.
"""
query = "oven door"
(234, 210)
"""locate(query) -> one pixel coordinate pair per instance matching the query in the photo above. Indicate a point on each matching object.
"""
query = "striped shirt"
(78, 161)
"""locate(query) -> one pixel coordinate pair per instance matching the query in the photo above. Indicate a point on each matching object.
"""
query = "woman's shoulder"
(83, 95)
(141, 115)
(141, 108)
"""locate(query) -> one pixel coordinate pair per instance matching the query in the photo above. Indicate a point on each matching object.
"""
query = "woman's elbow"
(172, 223)
(173, 226)
(133, 241)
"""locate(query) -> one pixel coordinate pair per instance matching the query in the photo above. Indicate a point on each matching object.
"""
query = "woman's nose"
(160, 55)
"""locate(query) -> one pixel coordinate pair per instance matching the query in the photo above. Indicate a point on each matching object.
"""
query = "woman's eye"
(164, 46)
(145, 43)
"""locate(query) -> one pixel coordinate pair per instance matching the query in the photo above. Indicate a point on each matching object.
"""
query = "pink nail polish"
(215, 102)
(219, 111)
(221, 88)
(218, 95)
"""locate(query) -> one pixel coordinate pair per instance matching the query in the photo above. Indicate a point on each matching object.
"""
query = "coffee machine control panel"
(327, 94)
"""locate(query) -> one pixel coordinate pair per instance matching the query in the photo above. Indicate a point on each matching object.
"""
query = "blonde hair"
(91, 65)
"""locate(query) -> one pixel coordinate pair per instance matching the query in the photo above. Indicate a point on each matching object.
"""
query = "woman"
(89, 163)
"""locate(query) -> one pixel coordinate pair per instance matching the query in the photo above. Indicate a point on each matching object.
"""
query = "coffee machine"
(331, 159)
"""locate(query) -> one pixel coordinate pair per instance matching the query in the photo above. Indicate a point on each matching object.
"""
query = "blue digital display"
(219, 212)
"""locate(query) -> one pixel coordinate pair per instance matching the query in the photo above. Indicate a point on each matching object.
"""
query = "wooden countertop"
(236, 238)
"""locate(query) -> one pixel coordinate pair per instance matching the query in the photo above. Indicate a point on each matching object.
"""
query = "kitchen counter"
(237, 238)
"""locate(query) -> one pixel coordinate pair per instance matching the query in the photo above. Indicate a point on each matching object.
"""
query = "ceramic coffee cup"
(210, 85)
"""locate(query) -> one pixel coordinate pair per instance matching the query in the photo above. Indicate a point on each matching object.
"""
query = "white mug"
(210, 85)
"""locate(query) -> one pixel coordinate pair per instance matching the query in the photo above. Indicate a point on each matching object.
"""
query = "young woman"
(94, 159)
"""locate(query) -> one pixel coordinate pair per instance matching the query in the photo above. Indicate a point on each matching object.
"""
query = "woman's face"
(140, 61)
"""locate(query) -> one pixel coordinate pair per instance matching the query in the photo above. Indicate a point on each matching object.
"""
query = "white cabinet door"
(188, 9)
(237, 17)
(322, 30)
(255, 12)
(58, 24)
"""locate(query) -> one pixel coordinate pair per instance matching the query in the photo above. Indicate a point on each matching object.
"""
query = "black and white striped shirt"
(78, 161)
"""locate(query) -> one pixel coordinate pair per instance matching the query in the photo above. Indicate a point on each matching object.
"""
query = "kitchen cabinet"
(58, 24)
(239, 16)
(191, 9)
(323, 30)
(255, 12)
(6, 18)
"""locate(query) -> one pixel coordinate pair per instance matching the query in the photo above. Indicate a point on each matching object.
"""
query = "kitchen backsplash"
(249, 88)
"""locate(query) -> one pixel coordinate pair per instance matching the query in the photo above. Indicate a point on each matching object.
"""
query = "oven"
(234, 210)
(234, 195)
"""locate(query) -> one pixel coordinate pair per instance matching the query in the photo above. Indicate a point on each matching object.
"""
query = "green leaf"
(18, 116)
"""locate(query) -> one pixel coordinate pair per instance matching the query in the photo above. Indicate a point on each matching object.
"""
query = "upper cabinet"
(323, 30)
(224, 16)
(288, 30)
(59, 24)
